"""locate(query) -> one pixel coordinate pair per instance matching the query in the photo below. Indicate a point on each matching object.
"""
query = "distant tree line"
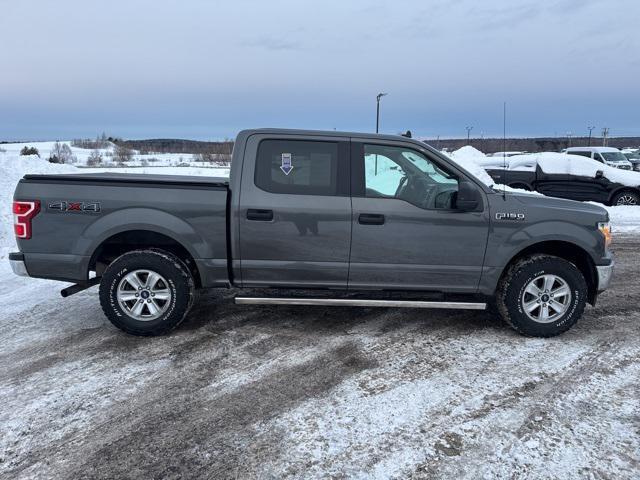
(540, 144)
(170, 145)
(101, 141)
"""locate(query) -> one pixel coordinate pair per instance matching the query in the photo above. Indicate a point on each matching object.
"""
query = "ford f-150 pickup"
(314, 218)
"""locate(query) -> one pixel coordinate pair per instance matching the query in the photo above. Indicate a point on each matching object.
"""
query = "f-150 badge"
(89, 207)
(286, 165)
(509, 216)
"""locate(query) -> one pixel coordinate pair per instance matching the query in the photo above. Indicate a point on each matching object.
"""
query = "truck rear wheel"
(146, 292)
(542, 295)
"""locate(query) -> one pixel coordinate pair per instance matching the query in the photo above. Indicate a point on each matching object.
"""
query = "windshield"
(614, 156)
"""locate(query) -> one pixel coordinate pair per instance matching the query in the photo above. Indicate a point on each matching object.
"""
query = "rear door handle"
(259, 215)
(371, 219)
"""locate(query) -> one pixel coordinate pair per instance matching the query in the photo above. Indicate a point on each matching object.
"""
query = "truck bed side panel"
(64, 240)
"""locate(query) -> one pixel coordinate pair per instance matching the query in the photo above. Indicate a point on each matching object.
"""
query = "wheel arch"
(136, 239)
(568, 251)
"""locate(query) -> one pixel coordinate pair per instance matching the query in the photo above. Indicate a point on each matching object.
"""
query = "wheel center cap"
(545, 298)
(144, 294)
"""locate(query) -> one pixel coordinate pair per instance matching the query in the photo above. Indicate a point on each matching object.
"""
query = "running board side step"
(347, 302)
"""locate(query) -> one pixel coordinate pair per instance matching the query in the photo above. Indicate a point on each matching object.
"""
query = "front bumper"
(16, 260)
(605, 274)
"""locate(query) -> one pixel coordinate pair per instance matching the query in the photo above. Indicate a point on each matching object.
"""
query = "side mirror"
(599, 174)
(468, 197)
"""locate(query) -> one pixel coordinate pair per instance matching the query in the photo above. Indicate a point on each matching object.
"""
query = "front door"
(295, 212)
(407, 233)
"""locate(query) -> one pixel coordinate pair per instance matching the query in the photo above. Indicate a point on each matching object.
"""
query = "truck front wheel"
(146, 292)
(542, 295)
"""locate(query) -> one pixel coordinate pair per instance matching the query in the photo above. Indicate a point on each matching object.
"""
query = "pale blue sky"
(206, 69)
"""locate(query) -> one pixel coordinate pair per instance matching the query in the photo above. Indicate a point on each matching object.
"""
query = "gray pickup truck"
(314, 218)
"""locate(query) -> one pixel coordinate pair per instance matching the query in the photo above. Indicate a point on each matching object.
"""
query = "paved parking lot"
(299, 392)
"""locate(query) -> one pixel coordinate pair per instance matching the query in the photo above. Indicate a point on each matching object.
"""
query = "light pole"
(468, 133)
(378, 97)
(590, 130)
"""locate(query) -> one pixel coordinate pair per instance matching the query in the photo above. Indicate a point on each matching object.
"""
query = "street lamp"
(590, 130)
(468, 133)
(378, 97)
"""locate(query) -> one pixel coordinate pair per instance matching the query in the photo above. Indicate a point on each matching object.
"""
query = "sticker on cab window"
(286, 165)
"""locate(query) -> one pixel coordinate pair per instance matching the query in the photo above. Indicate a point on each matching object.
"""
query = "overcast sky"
(205, 69)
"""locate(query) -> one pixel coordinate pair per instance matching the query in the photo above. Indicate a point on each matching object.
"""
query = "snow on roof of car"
(591, 149)
(562, 163)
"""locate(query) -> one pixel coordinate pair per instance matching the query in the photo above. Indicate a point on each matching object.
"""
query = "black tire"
(179, 282)
(626, 197)
(510, 295)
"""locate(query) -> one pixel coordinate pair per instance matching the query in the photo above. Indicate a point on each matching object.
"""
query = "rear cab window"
(302, 167)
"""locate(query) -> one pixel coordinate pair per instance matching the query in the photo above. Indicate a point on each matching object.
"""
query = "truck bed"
(83, 214)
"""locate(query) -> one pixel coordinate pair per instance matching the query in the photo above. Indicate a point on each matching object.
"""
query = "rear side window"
(298, 167)
(582, 154)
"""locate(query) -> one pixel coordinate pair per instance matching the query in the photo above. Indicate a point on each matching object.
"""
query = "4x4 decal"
(91, 207)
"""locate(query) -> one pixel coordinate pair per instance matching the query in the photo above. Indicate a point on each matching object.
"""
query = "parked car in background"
(569, 176)
(633, 157)
(607, 155)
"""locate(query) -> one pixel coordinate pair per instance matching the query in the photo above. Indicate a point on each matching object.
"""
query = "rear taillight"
(23, 212)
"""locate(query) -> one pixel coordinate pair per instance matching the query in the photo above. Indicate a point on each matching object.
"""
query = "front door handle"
(371, 219)
(259, 215)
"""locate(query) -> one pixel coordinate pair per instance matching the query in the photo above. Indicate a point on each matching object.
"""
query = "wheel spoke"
(561, 291)
(544, 314)
(549, 280)
(161, 294)
(126, 296)
(152, 279)
(137, 309)
(133, 280)
(531, 306)
(153, 307)
(532, 289)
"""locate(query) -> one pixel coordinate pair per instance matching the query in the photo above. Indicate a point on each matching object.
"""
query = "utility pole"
(469, 128)
(438, 142)
(605, 134)
(590, 130)
(569, 134)
(378, 97)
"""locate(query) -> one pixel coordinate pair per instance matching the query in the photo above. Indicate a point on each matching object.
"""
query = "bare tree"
(95, 158)
(61, 153)
(122, 154)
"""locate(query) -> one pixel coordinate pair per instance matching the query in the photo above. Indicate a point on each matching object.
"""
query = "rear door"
(295, 211)
(406, 232)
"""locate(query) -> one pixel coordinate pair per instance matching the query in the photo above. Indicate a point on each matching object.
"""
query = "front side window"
(297, 167)
(405, 174)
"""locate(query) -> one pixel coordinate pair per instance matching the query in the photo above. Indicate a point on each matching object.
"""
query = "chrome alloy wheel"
(546, 298)
(144, 295)
(627, 200)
